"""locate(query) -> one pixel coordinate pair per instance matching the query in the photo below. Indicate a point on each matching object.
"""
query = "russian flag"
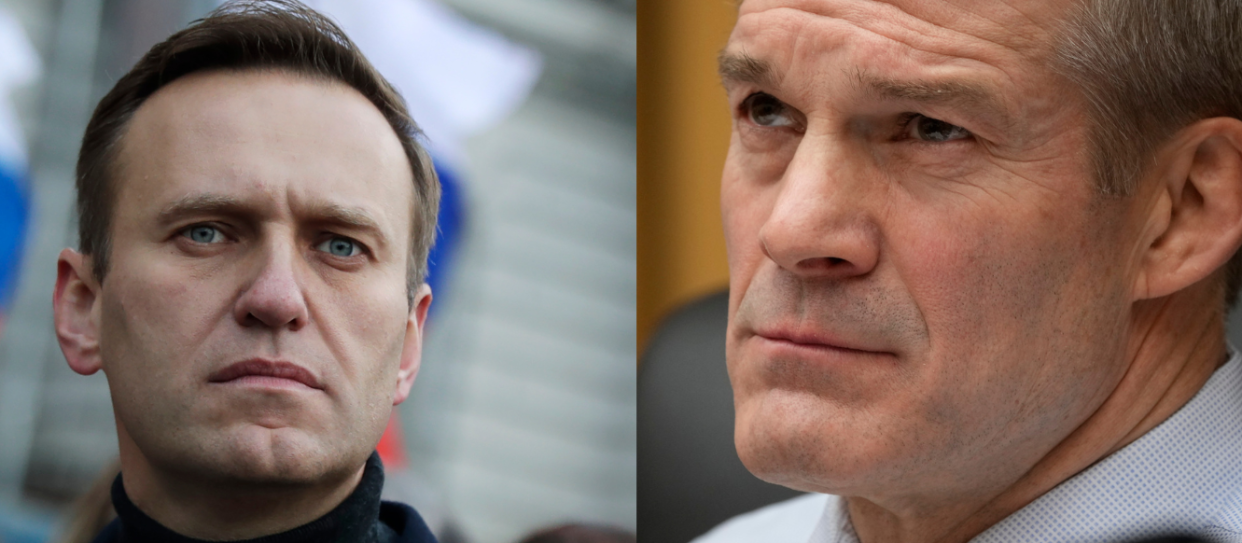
(19, 65)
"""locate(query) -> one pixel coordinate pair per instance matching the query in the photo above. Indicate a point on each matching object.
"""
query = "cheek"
(1013, 304)
(152, 312)
(155, 328)
(364, 322)
(991, 273)
(745, 206)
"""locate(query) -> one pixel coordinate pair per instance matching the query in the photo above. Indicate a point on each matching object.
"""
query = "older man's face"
(255, 312)
(926, 288)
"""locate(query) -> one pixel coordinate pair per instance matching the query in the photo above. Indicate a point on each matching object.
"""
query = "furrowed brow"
(217, 204)
(736, 68)
(350, 217)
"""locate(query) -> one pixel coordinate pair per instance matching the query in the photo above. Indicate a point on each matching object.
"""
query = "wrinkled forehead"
(817, 51)
(1021, 25)
(1008, 36)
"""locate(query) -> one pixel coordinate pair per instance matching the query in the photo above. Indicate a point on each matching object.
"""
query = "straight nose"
(820, 226)
(274, 298)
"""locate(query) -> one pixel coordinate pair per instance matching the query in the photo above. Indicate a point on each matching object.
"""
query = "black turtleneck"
(361, 518)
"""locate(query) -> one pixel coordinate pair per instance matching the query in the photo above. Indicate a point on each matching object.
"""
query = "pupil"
(935, 129)
(764, 111)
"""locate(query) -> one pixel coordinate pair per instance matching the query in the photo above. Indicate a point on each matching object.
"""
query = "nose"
(274, 298)
(821, 225)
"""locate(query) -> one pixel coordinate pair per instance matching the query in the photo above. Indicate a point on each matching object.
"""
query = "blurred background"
(523, 415)
(683, 134)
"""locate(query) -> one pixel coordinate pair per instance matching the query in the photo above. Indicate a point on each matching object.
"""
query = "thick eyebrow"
(967, 95)
(351, 217)
(201, 204)
(736, 68)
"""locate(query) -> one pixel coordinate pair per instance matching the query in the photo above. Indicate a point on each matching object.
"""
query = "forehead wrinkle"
(1002, 29)
(892, 22)
(987, 63)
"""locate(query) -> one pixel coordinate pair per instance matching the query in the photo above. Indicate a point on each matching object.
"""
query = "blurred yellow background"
(683, 135)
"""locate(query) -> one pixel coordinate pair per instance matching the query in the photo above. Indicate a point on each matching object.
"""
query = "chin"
(255, 455)
(290, 456)
(810, 447)
(228, 449)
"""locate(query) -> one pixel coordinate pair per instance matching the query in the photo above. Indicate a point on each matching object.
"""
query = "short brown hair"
(1148, 69)
(274, 34)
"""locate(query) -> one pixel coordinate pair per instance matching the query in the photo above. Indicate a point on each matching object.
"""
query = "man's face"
(926, 289)
(262, 223)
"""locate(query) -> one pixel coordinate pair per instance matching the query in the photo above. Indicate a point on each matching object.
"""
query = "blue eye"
(203, 234)
(935, 130)
(340, 247)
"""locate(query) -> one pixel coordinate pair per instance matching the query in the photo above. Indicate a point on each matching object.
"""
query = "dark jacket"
(361, 518)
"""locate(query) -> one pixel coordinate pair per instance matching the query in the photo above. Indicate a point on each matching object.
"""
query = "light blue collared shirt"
(1183, 477)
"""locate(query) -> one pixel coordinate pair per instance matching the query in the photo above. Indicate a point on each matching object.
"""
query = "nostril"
(824, 264)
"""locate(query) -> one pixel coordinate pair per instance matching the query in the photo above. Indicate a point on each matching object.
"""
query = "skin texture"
(268, 169)
(938, 324)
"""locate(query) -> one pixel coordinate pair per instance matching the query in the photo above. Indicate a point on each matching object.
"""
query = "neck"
(1174, 347)
(224, 510)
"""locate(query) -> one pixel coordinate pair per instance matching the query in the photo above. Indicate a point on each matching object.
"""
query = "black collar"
(355, 520)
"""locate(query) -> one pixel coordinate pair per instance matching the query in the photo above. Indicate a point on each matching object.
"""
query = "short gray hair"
(1148, 68)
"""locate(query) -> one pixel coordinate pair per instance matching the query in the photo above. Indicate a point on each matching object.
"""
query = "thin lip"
(264, 367)
(816, 339)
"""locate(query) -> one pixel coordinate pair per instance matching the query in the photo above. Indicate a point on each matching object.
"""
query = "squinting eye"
(764, 109)
(935, 130)
(203, 234)
(340, 247)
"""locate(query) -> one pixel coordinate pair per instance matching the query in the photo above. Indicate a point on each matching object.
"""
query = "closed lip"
(262, 367)
(817, 339)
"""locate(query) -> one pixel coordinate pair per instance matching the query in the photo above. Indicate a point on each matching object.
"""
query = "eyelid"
(745, 93)
(744, 111)
(906, 125)
(222, 228)
(363, 249)
(746, 105)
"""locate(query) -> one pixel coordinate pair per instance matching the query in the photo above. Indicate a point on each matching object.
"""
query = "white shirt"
(1182, 477)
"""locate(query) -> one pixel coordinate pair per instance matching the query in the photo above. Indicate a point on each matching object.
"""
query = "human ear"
(412, 353)
(74, 312)
(1195, 225)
